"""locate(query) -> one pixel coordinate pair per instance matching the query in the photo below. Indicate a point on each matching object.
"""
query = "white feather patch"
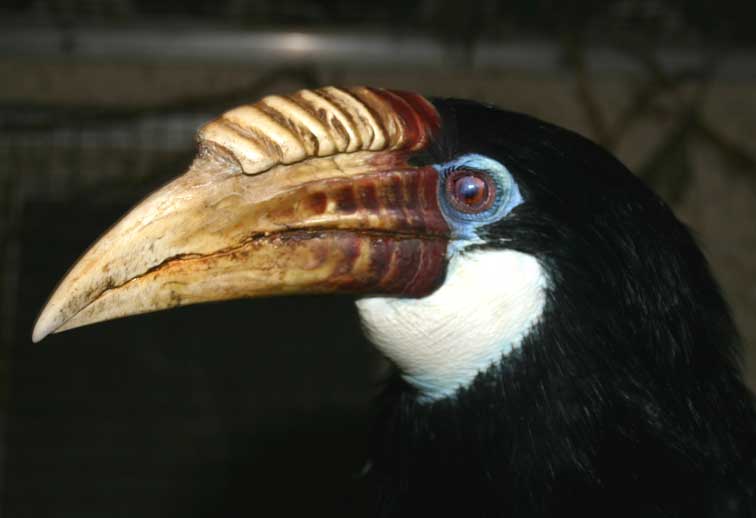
(487, 304)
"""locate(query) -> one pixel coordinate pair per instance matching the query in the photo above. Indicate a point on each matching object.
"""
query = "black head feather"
(626, 398)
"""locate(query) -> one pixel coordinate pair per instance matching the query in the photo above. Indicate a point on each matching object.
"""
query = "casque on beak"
(307, 193)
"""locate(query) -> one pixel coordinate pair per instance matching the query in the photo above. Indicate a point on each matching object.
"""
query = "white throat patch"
(487, 304)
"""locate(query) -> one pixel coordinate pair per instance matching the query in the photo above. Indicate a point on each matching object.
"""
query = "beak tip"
(43, 327)
(38, 334)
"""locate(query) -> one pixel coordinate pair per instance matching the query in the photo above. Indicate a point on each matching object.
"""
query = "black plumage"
(626, 400)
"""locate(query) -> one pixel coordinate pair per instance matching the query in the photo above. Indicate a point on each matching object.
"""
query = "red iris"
(470, 191)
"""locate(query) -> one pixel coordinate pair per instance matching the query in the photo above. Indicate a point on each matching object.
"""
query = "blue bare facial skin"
(479, 176)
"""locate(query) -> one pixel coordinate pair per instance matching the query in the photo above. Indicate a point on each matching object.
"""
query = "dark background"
(263, 406)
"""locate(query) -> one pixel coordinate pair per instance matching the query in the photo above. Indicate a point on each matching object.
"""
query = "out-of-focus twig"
(575, 56)
(73, 115)
(743, 161)
(668, 168)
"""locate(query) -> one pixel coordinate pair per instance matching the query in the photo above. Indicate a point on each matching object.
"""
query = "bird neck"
(486, 305)
(625, 399)
(511, 446)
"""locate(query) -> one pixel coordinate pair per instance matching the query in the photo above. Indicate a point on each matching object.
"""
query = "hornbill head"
(537, 298)
(333, 190)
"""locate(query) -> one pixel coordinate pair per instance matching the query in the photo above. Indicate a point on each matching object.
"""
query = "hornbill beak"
(307, 193)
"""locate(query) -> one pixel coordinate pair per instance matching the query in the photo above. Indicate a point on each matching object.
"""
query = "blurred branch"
(51, 116)
(739, 157)
(668, 168)
(575, 57)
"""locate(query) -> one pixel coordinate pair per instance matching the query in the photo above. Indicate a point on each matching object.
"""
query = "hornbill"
(561, 347)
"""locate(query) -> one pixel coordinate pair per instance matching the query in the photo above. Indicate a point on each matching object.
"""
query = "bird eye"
(470, 191)
(475, 191)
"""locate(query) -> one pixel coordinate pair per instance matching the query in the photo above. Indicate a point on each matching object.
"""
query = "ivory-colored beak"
(310, 193)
